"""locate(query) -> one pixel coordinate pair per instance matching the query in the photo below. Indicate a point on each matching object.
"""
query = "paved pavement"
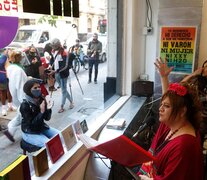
(87, 106)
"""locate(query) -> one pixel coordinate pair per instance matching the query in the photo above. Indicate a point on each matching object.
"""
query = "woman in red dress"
(177, 144)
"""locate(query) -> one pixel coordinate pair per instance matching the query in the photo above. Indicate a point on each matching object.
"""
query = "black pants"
(93, 62)
(119, 172)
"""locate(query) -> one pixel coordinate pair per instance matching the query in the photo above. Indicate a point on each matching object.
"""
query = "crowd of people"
(14, 78)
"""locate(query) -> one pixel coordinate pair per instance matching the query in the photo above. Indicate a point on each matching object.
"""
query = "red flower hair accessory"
(178, 89)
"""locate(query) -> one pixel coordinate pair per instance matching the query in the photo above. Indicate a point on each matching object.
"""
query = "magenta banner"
(8, 30)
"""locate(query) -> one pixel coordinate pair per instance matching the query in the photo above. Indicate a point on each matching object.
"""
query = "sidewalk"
(87, 107)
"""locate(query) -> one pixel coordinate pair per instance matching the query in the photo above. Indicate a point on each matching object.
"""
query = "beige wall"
(203, 37)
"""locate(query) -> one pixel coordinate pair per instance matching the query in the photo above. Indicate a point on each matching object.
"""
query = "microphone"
(149, 122)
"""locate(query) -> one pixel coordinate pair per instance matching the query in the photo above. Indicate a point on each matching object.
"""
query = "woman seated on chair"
(177, 143)
(35, 111)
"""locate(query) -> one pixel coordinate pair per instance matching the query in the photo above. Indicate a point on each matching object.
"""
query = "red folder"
(55, 148)
(122, 150)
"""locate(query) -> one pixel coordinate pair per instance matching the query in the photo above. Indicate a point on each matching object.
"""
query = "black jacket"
(33, 119)
(33, 69)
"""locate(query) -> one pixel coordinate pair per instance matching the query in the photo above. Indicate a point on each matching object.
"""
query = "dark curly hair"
(190, 101)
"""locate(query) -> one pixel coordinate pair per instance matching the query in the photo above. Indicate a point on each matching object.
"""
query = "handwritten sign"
(177, 45)
(9, 5)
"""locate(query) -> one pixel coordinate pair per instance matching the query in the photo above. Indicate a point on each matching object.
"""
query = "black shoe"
(95, 81)
(89, 81)
(8, 135)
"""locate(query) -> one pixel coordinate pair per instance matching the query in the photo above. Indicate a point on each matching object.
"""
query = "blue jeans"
(40, 139)
(63, 86)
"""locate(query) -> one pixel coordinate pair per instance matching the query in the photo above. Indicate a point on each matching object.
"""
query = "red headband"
(178, 89)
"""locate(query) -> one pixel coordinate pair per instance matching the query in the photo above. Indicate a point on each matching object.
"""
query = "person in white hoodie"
(17, 78)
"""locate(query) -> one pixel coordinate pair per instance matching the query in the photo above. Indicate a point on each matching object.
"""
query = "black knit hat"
(28, 86)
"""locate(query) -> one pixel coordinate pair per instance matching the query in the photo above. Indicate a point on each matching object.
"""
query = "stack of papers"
(118, 123)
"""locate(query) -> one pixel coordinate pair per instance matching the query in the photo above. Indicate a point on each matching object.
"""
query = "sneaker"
(12, 108)
(8, 135)
(4, 112)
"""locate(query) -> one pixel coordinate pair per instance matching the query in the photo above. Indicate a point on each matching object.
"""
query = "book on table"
(77, 127)
(40, 161)
(69, 137)
(55, 148)
(118, 123)
(18, 169)
(84, 126)
(121, 150)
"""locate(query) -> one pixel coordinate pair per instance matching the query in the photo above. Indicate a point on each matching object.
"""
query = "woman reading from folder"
(176, 145)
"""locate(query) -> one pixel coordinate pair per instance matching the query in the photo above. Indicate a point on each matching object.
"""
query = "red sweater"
(181, 158)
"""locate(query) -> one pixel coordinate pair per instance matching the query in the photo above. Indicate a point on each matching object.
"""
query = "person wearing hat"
(35, 110)
(61, 69)
(17, 78)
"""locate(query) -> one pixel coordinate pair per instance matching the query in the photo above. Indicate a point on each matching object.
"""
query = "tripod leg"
(78, 81)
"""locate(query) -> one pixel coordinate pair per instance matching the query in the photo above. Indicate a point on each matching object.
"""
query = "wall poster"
(177, 45)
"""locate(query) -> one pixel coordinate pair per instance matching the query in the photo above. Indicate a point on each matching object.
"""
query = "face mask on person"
(36, 92)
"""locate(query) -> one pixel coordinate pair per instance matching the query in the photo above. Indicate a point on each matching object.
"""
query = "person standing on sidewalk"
(49, 61)
(4, 88)
(93, 51)
(35, 62)
(61, 70)
(17, 78)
